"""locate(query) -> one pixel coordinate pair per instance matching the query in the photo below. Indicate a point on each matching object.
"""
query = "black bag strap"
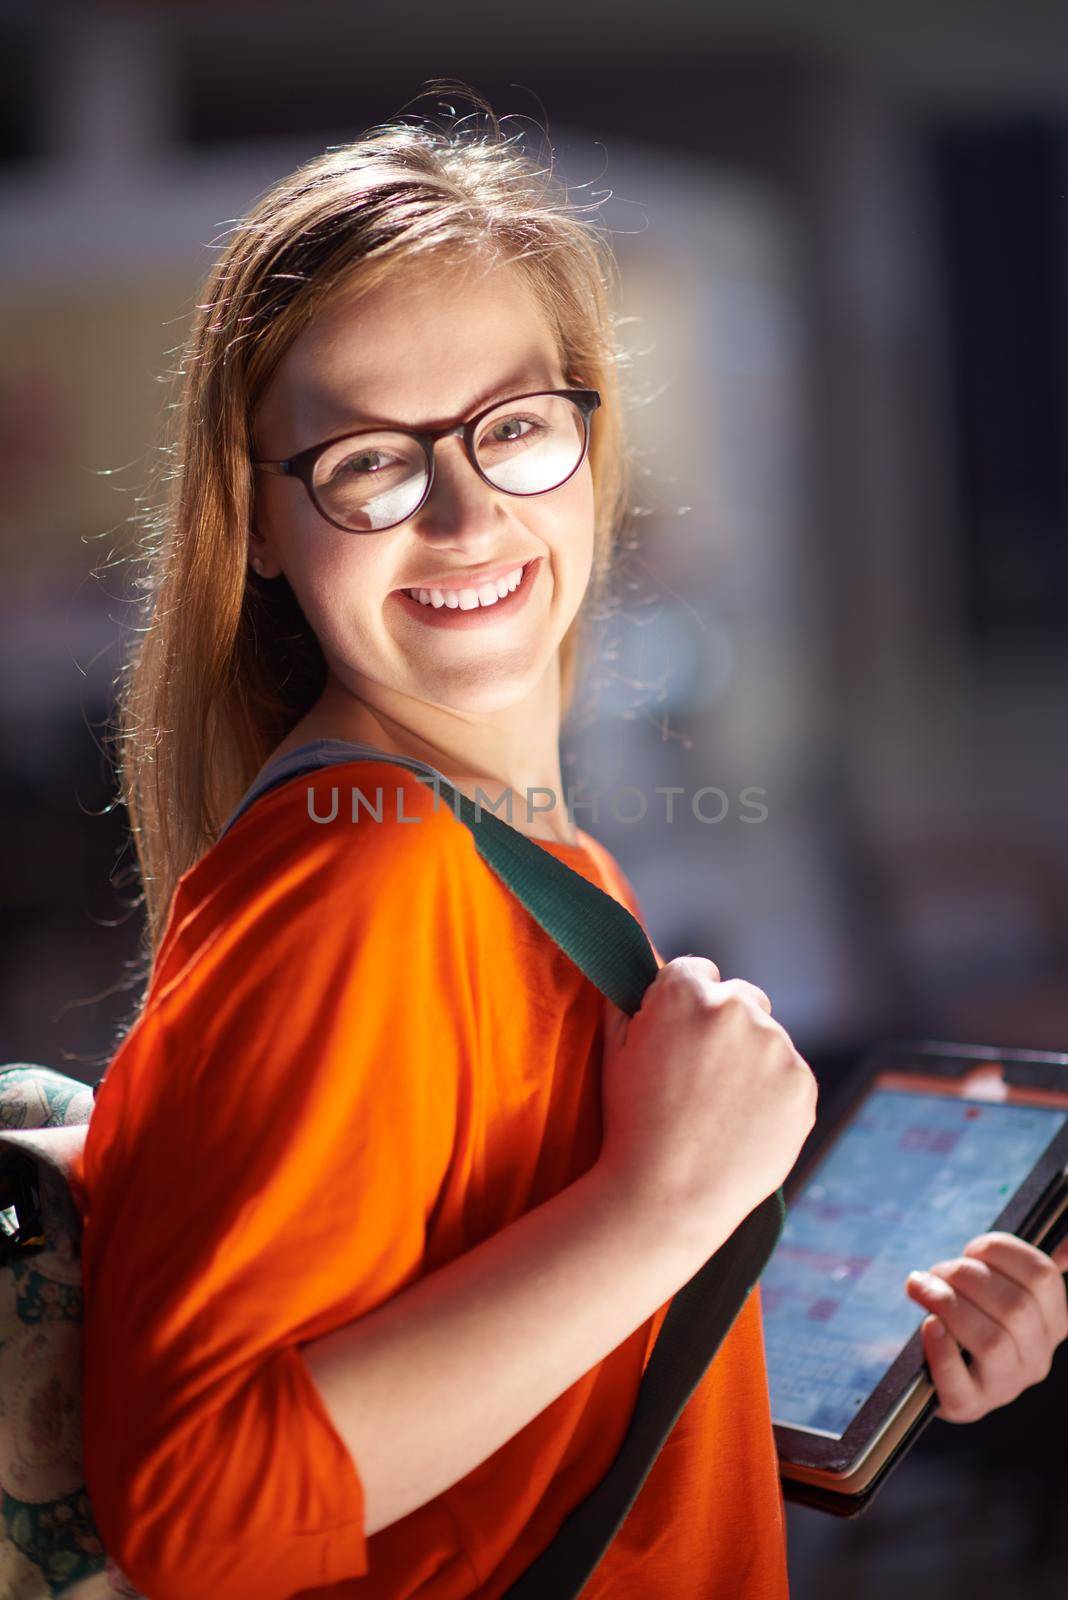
(609, 945)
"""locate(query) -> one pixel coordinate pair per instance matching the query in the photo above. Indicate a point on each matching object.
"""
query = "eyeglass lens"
(377, 479)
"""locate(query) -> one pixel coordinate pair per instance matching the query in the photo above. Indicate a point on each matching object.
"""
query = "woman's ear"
(259, 558)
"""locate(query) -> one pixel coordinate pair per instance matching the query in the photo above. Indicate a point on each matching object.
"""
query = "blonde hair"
(224, 663)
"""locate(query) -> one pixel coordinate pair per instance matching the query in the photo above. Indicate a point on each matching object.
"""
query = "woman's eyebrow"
(521, 383)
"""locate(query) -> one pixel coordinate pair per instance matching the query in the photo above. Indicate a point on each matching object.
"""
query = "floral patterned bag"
(49, 1543)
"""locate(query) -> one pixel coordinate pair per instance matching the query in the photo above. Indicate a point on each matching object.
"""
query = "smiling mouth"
(484, 596)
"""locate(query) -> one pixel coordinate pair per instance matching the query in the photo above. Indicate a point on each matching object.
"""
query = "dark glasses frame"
(302, 465)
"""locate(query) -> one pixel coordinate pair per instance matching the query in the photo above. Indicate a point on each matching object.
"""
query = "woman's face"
(433, 345)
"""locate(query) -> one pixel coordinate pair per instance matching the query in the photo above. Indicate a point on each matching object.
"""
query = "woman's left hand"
(1003, 1300)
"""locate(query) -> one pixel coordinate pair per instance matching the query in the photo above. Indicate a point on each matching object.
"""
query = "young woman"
(384, 1206)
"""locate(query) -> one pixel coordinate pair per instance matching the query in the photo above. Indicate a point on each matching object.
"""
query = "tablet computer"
(929, 1144)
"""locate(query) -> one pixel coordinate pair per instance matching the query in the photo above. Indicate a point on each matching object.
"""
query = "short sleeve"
(263, 1157)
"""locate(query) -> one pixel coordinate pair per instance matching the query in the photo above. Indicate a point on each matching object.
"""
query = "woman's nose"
(460, 502)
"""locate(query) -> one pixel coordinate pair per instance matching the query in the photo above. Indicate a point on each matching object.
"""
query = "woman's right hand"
(706, 1103)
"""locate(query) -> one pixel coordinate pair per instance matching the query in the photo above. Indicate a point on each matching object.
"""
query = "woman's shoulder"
(341, 849)
(368, 805)
(374, 811)
(295, 947)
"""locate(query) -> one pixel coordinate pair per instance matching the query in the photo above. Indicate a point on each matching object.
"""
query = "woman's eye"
(507, 430)
(367, 461)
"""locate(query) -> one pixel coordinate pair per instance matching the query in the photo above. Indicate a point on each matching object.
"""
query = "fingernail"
(938, 1329)
(922, 1278)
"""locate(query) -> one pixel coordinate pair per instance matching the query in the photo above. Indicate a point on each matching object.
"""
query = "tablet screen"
(911, 1179)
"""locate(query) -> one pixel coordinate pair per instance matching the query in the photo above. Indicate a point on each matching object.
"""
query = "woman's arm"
(264, 1154)
(426, 1386)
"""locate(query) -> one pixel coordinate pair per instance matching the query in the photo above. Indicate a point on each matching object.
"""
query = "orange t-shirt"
(360, 1056)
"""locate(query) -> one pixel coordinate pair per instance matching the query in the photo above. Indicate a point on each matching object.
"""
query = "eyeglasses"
(368, 481)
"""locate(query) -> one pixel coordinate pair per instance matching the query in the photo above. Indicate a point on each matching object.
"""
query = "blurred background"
(843, 238)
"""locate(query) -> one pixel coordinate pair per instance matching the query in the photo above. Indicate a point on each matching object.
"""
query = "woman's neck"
(513, 758)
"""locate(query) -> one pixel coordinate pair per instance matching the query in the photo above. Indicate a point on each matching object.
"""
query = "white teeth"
(469, 599)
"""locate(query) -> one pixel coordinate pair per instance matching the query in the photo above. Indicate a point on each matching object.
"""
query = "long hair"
(224, 664)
